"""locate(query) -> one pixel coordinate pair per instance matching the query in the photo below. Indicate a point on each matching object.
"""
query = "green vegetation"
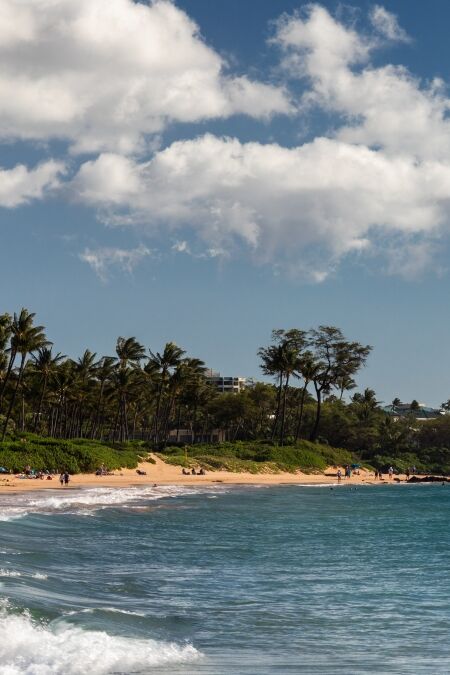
(258, 457)
(76, 455)
(95, 409)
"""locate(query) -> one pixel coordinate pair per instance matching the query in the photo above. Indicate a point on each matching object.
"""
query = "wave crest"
(31, 648)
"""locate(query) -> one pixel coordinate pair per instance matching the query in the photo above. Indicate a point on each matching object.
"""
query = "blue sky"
(239, 174)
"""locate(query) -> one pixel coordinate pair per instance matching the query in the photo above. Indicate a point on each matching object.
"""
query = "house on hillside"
(419, 411)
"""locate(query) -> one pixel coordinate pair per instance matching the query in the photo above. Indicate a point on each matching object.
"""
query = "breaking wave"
(28, 647)
(88, 500)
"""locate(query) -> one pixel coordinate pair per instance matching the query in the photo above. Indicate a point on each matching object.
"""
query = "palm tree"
(84, 372)
(290, 365)
(126, 382)
(195, 396)
(5, 332)
(162, 364)
(365, 404)
(272, 364)
(63, 382)
(282, 360)
(25, 340)
(344, 383)
(45, 365)
(15, 327)
(189, 371)
(129, 350)
(308, 369)
(103, 373)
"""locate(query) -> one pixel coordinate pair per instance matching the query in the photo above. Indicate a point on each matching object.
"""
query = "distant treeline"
(138, 393)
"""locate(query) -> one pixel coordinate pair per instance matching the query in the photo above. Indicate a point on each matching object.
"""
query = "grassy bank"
(257, 457)
(77, 456)
(85, 456)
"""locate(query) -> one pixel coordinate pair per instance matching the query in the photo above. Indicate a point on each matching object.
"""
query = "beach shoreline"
(161, 473)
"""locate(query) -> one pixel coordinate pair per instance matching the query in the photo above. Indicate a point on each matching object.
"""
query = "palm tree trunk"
(13, 399)
(12, 358)
(300, 413)
(315, 428)
(277, 414)
(41, 399)
(283, 410)
(157, 411)
(178, 422)
(97, 415)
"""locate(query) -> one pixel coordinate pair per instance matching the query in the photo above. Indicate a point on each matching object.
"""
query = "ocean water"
(224, 580)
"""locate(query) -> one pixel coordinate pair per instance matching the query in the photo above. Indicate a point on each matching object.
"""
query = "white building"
(227, 385)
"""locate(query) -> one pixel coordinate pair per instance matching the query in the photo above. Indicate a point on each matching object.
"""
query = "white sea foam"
(9, 573)
(11, 513)
(30, 648)
(116, 610)
(15, 573)
(86, 501)
(112, 610)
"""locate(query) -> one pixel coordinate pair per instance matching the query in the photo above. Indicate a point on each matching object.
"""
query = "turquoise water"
(226, 580)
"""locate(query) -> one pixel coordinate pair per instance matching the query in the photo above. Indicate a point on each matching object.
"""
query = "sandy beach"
(166, 474)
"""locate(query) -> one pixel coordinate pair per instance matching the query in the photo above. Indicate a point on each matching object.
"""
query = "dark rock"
(428, 479)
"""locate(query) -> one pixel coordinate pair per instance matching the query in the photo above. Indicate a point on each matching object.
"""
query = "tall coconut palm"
(365, 405)
(344, 383)
(45, 365)
(281, 360)
(126, 382)
(129, 351)
(25, 340)
(13, 327)
(308, 369)
(5, 332)
(163, 364)
(84, 370)
(62, 384)
(103, 374)
(188, 371)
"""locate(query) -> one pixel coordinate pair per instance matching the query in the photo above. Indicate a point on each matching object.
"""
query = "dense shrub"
(258, 457)
(76, 455)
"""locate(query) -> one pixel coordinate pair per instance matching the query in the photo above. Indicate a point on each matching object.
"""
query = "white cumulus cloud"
(21, 185)
(377, 184)
(382, 106)
(101, 260)
(304, 207)
(103, 74)
(387, 24)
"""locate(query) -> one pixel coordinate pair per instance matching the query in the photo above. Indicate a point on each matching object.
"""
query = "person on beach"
(66, 478)
(391, 472)
(339, 475)
(61, 479)
(376, 474)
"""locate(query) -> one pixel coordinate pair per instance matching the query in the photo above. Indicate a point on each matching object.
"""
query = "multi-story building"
(227, 385)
